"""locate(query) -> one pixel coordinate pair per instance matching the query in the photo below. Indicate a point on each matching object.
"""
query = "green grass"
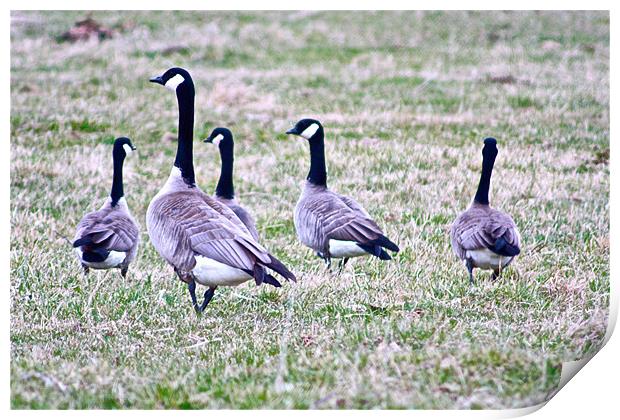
(406, 99)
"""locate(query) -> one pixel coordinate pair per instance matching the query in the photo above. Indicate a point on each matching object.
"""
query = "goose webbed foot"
(342, 263)
(208, 296)
(470, 269)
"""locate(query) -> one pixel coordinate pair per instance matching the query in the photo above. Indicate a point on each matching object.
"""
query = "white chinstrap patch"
(211, 273)
(175, 81)
(345, 249)
(218, 139)
(309, 132)
(488, 260)
(127, 149)
(114, 259)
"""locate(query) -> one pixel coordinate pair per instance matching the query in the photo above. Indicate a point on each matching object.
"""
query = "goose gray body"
(111, 229)
(333, 225)
(322, 216)
(481, 236)
(186, 226)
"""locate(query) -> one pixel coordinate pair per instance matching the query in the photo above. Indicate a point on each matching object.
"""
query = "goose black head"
(220, 137)
(122, 147)
(307, 128)
(174, 79)
(490, 148)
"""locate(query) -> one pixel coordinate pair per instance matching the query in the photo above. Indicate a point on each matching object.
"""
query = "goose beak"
(157, 79)
(293, 131)
(208, 140)
(133, 147)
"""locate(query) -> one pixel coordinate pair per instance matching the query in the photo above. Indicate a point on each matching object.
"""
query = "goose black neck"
(318, 172)
(117, 179)
(225, 187)
(184, 158)
(488, 160)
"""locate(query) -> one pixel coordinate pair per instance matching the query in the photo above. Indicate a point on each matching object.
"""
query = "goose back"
(481, 227)
(242, 214)
(111, 228)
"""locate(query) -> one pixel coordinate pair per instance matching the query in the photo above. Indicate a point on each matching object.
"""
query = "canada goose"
(225, 191)
(202, 239)
(331, 224)
(481, 236)
(108, 238)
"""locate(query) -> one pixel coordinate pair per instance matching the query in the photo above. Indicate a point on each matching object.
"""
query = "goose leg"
(342, 263)
(208, 296)
(85, 268)
(124, 271)
(495, 275)
(470, 268)
(191, 286)
(326, 259)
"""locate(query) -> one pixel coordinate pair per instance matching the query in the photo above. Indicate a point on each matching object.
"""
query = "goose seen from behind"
(204, 241)
(333, 225)
(108, 238)
(481, 236)
(225, 190)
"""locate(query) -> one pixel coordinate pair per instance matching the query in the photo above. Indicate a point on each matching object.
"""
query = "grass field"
(406, 100)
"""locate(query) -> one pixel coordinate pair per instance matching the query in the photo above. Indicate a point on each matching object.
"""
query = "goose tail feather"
(280, 268)
(375, 250)
(502, 247)
(384, 242)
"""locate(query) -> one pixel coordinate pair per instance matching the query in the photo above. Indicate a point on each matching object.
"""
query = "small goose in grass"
(108, 238)
(331, 224)
(481, 236)
(225, 190)
(202, 239)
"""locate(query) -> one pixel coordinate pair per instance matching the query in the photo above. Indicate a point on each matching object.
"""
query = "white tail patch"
(345, 249)
(309, 132)
(488, 260)
(211, 273)
(113, 260)
(175, 81)
(127, 149)
(218, 139)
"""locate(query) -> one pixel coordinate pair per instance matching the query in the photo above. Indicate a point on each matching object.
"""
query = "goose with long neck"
(481, 236)
(225, 189)
(333, 225)
(108, 238)
(204, 241)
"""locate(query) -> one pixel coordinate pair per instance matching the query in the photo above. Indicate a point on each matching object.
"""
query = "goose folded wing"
(353, 205)
(116, 233)
(343, 223)
(477, 234)
(214, 234)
